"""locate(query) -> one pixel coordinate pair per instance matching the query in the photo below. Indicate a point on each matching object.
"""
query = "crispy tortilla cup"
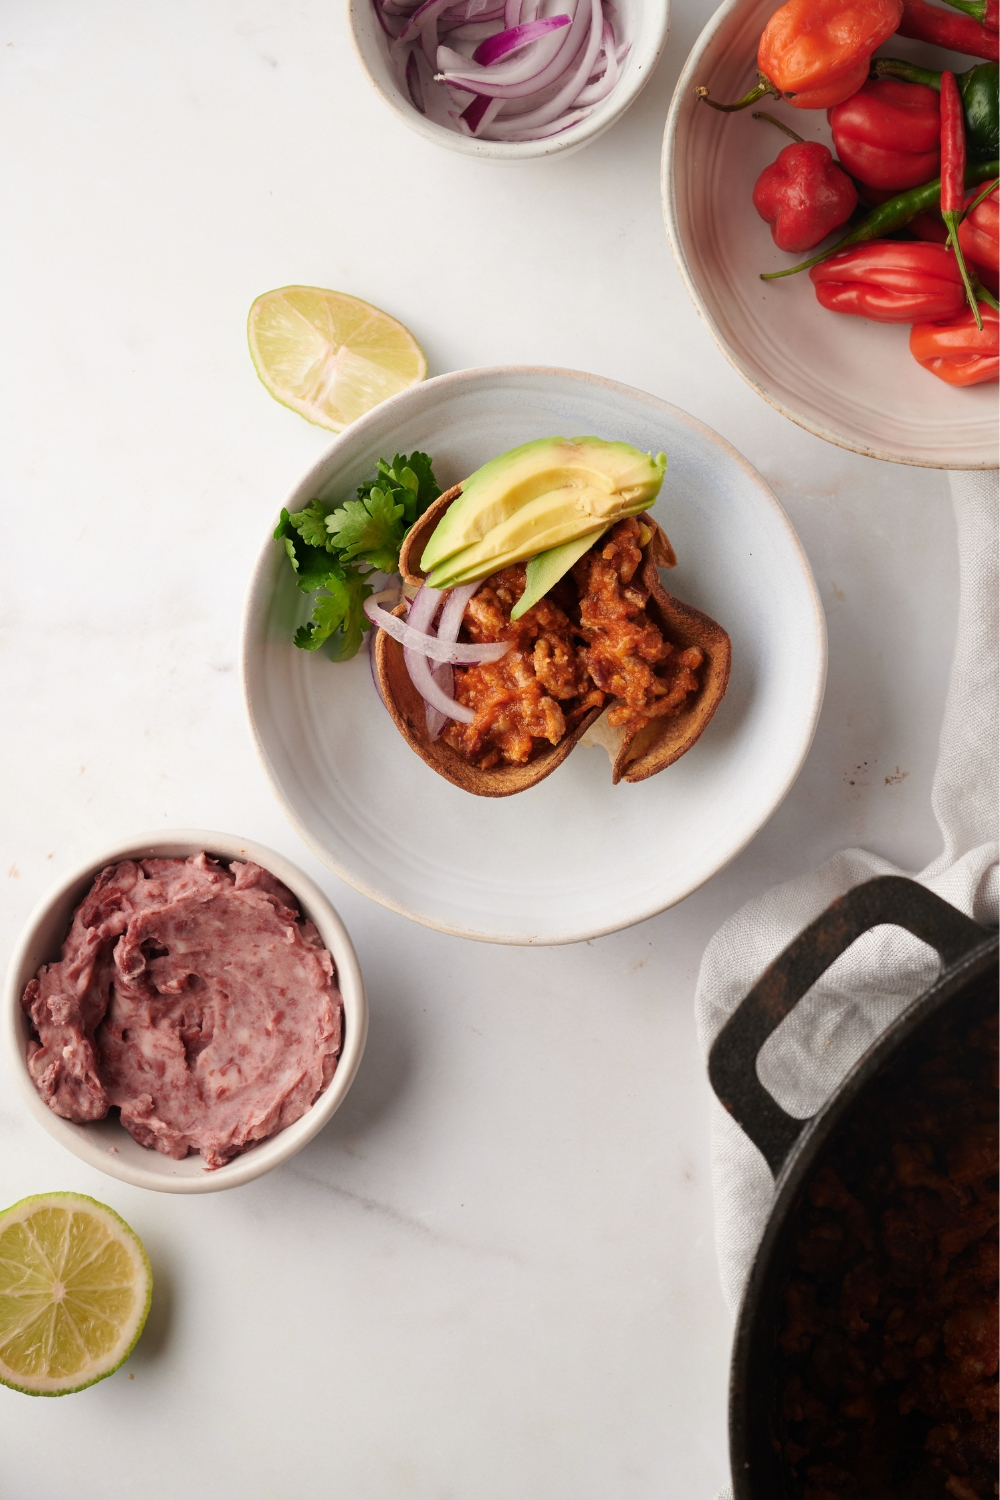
(634, 757)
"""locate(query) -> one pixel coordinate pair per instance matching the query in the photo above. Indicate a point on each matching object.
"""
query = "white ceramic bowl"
(105, 1144)
(574, 856)
(644, 25)
(849, 380)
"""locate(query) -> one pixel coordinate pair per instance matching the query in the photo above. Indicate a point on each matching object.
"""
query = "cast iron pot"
(792, 1147)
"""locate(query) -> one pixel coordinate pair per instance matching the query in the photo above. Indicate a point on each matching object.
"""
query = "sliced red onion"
(428, 645)
(543, 132)
(600, 89)
(510, 75)
(472, 115)
(380, 14)
(480, 113)
(449, 625)
(481, 10)
(414, 84)
(544, 63)
(435, 720)
(423, 609)
(420, 18)
(440, 676)
(496, 47)
(546, 114)
(467, 31)
(453, 612)
(431, 691)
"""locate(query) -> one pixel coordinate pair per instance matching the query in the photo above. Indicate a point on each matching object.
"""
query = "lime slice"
(328, 356)
(75, 1285)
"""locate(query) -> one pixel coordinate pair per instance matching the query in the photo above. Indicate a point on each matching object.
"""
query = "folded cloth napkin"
(805, 1059)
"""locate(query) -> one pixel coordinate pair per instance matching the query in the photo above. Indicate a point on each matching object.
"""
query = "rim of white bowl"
(268, 1154)
(686, 84)
(258, 586)
(619, 100)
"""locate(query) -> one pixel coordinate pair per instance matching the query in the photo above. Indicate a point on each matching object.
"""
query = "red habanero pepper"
(953, 175)
(804, 196)
(816, 53)
(891, 281)
(929, 227)
(943, 28)
(888, 134)
(979, 237)
(957, 351)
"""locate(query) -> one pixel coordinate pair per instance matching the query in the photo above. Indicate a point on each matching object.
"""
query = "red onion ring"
(495, 47)
(414, 639)
(477, 115)
(511, 78)
(515, 76)
(547, 113)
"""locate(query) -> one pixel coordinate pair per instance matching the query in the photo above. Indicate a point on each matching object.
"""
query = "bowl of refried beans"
(185, 1012)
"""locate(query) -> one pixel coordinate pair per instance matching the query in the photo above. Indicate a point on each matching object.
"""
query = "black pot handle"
(732, 1062)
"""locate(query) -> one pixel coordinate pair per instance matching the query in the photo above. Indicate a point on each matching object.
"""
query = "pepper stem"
(895, 67)
(952, 218)
(764, 86)
(759, 114)
(974, 8)
(987, 190)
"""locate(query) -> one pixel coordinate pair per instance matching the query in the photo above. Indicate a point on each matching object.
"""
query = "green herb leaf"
(312, 564)
(311, 525)
(338, 616)
(332, 552)
(413, 481)
(369, 530)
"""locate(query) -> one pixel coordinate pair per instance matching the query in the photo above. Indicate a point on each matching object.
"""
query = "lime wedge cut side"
(75, 1288)
(328, 356)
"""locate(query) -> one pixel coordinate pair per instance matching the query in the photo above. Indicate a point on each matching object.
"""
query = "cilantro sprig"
(334, 551)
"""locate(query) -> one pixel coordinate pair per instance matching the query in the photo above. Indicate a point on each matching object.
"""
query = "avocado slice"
(546, 568)
(537, 497)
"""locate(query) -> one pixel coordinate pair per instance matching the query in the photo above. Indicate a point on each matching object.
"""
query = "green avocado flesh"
(537, 498)
(546, 568)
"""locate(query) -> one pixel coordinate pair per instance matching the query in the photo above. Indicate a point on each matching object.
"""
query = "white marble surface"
(493, 1274)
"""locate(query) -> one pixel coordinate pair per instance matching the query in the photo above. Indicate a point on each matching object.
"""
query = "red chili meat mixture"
(888, 1344)
(588, 641)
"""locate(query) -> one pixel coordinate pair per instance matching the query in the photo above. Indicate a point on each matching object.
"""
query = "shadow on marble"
(156, 1335)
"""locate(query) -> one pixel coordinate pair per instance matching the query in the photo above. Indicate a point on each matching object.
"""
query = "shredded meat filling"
(587, 643)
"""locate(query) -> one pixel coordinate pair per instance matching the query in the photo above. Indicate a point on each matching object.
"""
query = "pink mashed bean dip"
(193, 998)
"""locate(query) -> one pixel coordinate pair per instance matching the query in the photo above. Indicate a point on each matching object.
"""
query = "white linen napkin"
(804, 1060)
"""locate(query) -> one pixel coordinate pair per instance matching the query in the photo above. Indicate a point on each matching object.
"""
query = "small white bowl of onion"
(509, 80)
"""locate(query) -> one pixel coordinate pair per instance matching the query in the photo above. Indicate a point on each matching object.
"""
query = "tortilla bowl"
(634, 756)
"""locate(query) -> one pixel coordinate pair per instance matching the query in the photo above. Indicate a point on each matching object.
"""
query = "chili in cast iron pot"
(793, 1148)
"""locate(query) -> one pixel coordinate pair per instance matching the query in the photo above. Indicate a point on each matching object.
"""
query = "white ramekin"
(105, 1144)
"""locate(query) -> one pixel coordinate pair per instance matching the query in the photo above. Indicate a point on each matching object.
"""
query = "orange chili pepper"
(816, 53)
(957, 351)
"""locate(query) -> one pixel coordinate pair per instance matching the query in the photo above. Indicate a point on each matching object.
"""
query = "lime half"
(328, 356)
(75, 1285)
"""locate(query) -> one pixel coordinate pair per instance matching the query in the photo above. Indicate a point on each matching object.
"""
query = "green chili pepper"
(980, 91)
(893, 215)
